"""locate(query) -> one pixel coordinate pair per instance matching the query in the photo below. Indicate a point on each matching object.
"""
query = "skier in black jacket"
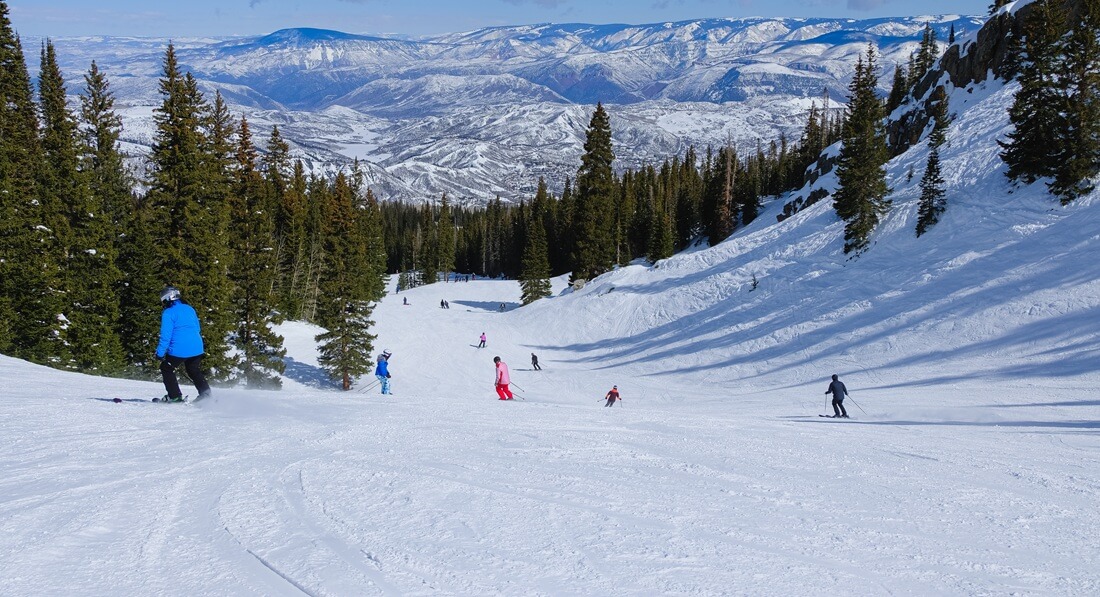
(838, 391)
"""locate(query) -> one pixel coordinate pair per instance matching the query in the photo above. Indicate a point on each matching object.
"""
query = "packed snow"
(970, 465)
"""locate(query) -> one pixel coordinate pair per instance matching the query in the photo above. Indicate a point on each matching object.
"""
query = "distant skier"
(180, 344)
(482, 343)
(838, 391)
(535, 362)
(382, 372)
(612, 396)
(405, 300)
(502, 380)
(502, 307)
(442, 305)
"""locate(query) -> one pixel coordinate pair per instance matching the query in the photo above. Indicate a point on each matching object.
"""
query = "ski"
(833, 417)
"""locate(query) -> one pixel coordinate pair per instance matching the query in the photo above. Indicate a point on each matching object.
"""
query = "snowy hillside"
(455, 113)
(970, 465)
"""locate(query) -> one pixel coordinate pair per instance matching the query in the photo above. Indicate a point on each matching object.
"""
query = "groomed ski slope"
(972, 464)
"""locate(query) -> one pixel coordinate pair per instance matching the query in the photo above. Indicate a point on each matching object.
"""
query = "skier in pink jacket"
(502, 380)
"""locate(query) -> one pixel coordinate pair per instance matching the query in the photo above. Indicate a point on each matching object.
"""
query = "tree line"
(245, 234)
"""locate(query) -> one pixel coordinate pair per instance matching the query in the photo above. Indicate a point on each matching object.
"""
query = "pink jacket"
(502, 374)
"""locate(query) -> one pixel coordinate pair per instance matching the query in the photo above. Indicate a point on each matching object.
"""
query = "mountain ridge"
(749, 80)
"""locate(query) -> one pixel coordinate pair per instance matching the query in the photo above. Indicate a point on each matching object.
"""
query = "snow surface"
(971, 466)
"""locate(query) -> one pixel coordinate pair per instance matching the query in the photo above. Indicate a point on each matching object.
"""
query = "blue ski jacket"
(179, 332)
(383, 368)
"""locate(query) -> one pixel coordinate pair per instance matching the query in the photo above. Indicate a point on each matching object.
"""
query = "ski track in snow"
(970, 466)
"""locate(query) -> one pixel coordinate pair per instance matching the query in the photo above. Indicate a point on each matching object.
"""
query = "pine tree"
(254, 270)
(997, 4)
(932, 193)
(534, 280)
(110, 190)
(1078, 146)
(30, 302)
(927, 54)
(593, 233)
(899, 90)
(189, 165)
(89, 261)
(860, 199)
(344, 306)
(445, 234)
(1031, 149)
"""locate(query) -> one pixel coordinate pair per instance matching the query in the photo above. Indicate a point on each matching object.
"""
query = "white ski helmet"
(169, 294)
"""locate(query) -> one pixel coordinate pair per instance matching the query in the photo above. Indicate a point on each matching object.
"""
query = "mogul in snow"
(382, 371)
(502, 380)
(838, 391)
(612, 396)
(180, 344)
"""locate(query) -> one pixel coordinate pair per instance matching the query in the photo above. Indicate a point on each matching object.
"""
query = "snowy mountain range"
(487, 112)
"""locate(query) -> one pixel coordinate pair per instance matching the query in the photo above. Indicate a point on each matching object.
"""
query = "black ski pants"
(535, 364)
(193, 366)
(838, 407)
(610, 401)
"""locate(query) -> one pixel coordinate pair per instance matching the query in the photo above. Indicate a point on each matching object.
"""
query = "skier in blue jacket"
(180, 344)
(382, 372)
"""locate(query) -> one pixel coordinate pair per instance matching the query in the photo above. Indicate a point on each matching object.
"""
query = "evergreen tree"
(189, 167)
(1078, 147)
(1031, 149)
(860, 199)
(535, 277)
(109, 186)
(373, 236)
(997, 4)
(898, 90)
(594, 219)
(428, 245)
(254, 270)
(140, 309)
(927, 55)
(89, 260)
(343, 304)
(932, 193)
(445, 234)
(30, 282)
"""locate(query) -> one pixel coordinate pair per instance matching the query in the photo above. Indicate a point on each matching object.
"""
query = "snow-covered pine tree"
(861, 196)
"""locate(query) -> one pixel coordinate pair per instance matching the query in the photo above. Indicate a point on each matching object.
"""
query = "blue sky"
(189, 18)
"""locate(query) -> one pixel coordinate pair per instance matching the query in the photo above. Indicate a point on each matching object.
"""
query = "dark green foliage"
(1078, 147)
(899, 90)
(860, 199)
(445, 238)
(191, 163)
(344, 290)
(89, 182)
(1031, 149)
(110, 206)
(252, 219)
(997, 4)
(30, 260)
(594, 219)
(535, 277)
(932, 194)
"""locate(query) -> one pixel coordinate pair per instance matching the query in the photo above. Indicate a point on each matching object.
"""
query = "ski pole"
(857, 404)
(517, 385)
(372, 385)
